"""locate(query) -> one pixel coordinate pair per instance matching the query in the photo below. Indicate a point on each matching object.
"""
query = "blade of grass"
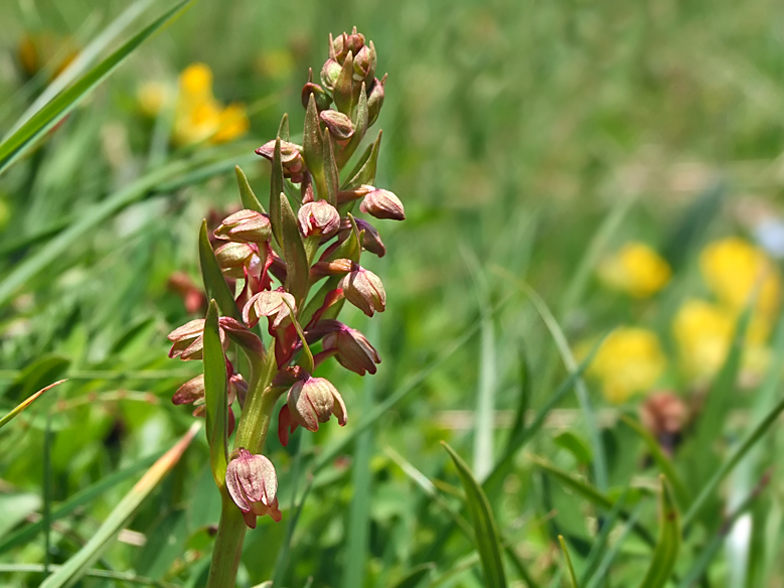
(91, 573)
(568, 559)
(77, 565)
(591, 494)
(77, 501)
(601, 575)
(21, 140)
(27, 402)
(600, 543)
(84, 59)
(99, 213)
(664, 463)
(517, 429)
(415, 575)
(486, 535)
(748, 443)
(599, 464)
(668, 545)
(493, 482)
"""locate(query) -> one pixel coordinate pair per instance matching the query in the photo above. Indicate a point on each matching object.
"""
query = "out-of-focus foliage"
(528, 141)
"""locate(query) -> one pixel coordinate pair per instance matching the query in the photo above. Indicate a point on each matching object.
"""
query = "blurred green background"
(528, 141)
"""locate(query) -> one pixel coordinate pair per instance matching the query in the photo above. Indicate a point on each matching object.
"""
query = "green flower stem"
(251, 434)
(228, 545)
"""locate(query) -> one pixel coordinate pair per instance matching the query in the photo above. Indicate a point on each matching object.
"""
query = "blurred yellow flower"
(734, 269)
(703, 333)
(199, 116)
(635, 269)
(629, 361)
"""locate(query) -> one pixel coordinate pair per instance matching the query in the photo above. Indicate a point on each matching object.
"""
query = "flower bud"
(364, 289)
(337, 267)
(323, 100)
(241, 335)
(270, 304)
(234, 258)
(190, 392)
(290, 157)
(188, 340)
(339, 125)
(354, 193)
(354, 351)
(345, 43)
(253, 485)
(376, 99)
(365, 63)
(371, 240)
(318, 218)
(383, 204)
(329, 74)
(313, 400)
(245, 226)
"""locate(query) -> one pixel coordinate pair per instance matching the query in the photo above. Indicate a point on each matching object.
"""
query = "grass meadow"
(583, 301)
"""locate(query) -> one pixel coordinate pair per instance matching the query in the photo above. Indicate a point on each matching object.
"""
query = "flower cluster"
(738, 276)
(295, 264)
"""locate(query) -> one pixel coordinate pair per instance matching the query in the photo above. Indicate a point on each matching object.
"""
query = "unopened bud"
(241, 335)
(665, 415)
(190, 392)
(337, 267)
(383, 204)
(365, 63)
(253, 486)
(353, 350)
(318, 218)
(330, 73)
(371, 240)
(313, 400)
(323, 100)
(271, 304)
(245, 226)
(188, 340)
(290, 157)
(355, 193)
(376, 99)
(364, 289)
(338, 124)
(234, 258)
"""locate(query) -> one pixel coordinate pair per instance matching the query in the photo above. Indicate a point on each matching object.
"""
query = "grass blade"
(748, 443)
(75, 502)
(600, 577)
(215, 395)
(78, 565)
(98, 214)
(27, 402)
(664, 463)
(592, 495)
(42, 121)
(666, 553)
(486, 535)
(599, 464)
(568, 559)
(415, 575)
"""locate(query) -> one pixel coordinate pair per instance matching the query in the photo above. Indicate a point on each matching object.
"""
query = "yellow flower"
(636, 269)
(199, 116)
(233, 123)
(734, 269)
(629, 361)
(704, 332)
